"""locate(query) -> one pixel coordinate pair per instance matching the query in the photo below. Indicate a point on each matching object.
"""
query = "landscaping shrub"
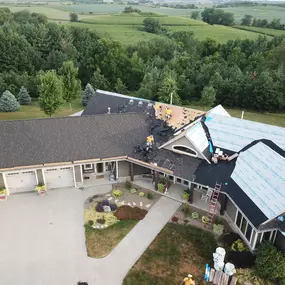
(128, 185)
(174, 219)
(205, 220)
(117, 193)
(113, 207)
(195, 215)
(186, 209)
(128, 213)
(99, 207)
(282, 282)
(8, 102)
(133, 191)
(186, 196)
(24, 97)
(270, 263)
(149, 195)
(90, 223)
(239, 246)
(160, 187)
(249, 275)
(101, 221)
(91, 214)
(141, 194)
(218, 229)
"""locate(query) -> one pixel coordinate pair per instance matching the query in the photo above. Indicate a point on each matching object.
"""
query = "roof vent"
(149, 105)
(109, 110)
(140, 103)
(131, 102)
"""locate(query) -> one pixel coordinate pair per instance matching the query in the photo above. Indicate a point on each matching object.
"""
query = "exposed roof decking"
(260, 173)
(234, 134)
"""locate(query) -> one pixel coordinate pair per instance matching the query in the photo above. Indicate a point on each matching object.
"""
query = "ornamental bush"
(239, 245)
(8, 102)
(141, 194)
(149, 196)
(269, 263)
(24, 97)
(117, 193)
(133, 191)
(195, 215)
(218, 229)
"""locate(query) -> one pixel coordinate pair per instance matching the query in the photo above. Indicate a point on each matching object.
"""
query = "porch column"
(132, 171)
(224, 203)
(5, 183)
(156, 177)
(78, 173)
(117, 170)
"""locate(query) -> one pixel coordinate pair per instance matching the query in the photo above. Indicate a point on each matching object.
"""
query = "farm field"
(128, 29)
(265, 31)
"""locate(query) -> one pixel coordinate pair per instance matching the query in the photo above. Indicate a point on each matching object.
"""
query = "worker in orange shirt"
(188, 280)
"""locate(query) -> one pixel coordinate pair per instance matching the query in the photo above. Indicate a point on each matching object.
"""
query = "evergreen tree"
(208, 97)
(120, 87)
(71, 85)
(99, 81)
(50, 90)
(8, 102)
(24, 97)
(87, 94)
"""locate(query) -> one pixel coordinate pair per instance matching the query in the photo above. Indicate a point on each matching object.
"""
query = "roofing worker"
(188, 280)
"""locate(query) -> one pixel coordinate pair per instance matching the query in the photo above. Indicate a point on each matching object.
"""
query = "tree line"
(248, 20)
(217, 16)
(240, 73)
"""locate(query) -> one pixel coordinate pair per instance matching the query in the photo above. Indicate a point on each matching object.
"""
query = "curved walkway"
(43, 243)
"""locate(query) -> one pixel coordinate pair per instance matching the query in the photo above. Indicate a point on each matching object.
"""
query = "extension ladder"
(213, 205)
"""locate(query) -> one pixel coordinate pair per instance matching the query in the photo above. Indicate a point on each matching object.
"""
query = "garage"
(59, 177)
(21, 181)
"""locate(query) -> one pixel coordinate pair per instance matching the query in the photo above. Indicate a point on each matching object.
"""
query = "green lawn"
(265, 31)
(177, 251)
(100, 242)
(33, 111)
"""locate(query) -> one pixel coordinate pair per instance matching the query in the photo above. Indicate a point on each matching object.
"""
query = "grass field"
(177, 251)
(100, 242)
(265, 31)
(128, 29)
(33, 111)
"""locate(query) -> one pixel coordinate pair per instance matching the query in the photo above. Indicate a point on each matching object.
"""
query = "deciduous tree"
(73, 17)
(120, 87)
(50, 90)
(71, 84)
(151, 25)
(208, 97)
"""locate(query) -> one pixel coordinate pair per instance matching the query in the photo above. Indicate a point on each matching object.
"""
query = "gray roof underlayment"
(234, 134)
(260, 173)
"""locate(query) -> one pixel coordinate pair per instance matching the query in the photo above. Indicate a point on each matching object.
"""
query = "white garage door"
(59, 177)
(22, 181)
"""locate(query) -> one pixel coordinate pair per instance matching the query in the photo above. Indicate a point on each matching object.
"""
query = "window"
(88, 166)
(171, 177)
(26, 172)
(184, 150)
(51, 169)
(99, 167)
(248, 232)
(238, 221)
(266, 236)
(243, 225)
(178, 180)
(185, 182)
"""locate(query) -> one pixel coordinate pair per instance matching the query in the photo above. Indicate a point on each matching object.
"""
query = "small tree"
(120, 87)
(50, 90)
(195, 15)
(269, 263)
(8, 102)
(87, 94)
(73, 17)
(151, 25)
(71, 85)
(246, 20)
(208, 97)
(99, 81)
(24, 97)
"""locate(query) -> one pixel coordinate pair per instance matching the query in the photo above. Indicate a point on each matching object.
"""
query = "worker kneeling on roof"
(188, 280)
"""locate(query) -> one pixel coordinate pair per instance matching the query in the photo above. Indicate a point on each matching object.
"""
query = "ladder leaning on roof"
(213, 205)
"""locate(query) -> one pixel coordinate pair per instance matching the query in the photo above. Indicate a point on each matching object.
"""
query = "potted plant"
(41, 189)
(3, 194)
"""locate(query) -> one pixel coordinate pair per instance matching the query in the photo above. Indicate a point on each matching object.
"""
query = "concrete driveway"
(42, 240)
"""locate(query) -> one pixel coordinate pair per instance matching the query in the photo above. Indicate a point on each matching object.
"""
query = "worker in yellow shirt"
(188, 280)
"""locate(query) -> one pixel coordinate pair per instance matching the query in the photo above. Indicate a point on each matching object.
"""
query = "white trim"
(235, 221)
(43, 174)
(275, 235)
(255, 240)
(81, 172)
(74, 179)
(201, 153)
(184, 152)
(37, 177)
(88, 168)
(117, 169)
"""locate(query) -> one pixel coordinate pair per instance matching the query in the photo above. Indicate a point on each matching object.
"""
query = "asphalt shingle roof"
(32, 142)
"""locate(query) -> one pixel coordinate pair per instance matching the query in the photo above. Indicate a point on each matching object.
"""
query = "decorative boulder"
(107, 209)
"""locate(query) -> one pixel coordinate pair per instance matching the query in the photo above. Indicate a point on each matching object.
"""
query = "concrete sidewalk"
(43, 242)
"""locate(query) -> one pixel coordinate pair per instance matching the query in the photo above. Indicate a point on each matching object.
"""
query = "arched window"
(184, 150)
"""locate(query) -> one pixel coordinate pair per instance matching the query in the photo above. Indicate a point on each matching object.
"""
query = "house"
(118, 137)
